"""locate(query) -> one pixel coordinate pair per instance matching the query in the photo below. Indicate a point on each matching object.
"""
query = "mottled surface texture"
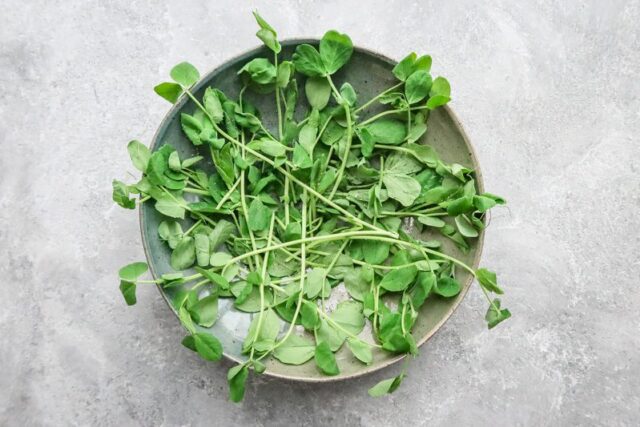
(549, 94)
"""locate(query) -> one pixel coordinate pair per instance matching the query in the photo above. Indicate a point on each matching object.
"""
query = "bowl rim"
(175, 108)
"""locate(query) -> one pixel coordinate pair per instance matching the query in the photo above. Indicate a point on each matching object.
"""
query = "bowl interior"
(369, 73)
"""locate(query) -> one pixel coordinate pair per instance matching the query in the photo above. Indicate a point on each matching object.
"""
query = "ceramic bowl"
(369, 73)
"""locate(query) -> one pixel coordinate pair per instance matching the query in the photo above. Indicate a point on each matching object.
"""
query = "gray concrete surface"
(548, 92)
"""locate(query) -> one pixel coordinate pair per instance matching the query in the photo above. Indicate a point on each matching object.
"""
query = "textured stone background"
(549, 94)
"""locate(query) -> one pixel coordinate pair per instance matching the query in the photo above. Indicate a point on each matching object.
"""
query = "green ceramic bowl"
(369, 73)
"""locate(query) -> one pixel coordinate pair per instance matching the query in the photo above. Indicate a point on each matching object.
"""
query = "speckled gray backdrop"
(548, 92)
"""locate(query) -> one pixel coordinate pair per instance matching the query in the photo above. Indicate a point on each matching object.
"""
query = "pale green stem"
(228, 194)
(375, 98)
(195, 191)
(264, 274)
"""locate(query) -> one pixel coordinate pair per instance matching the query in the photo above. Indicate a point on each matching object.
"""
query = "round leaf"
(207, 346)
(417, 86)
(295, 350)
(335, 50)
(318, 92)
(139, 154)
(447, 287)
(185, 74)
(131, 272)
(326, 360)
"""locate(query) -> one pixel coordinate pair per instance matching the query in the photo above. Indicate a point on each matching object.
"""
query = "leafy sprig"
(275, 221)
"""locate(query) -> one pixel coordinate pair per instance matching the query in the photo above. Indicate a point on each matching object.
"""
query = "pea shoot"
(277, 218)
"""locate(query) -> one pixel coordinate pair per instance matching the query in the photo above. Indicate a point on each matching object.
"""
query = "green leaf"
(387, 131)
(425, 282)
(309, 315)
(171, 278)
(307, 60)
(417, 86)
(202, 249)
(431, 221)
(185, 317)
(361, 350)
(393, 338)
(189, 342)
(318, 91)
(405, 67)
(215, 278)
(423, 63)
(185, 74)
(293, 231)
(258, 367)
(488, 280)
(220, 234)
(329, 334)
(229, 109)
(356, 284)
(139, 154)
(402, 164)
(128, 290)
(295, 350)
(447, 287)
(213, 105)
(254, 278)
(308, 133)
(437, 101)
(315, 281)
(301, 157)
(120, 195)
(348, 315)
(207, 346)
(237, 378)
(260, 70)
(396, 99)
(499, 200)
(245, 294)
(335, 50)
(169, 91)
(186, 163)
(402, 188)
(285, 71)
(184, 255)
(439, 94)
(368, 143)
(416, 132)
(191, 127)
(386, 386)
(174, 162)
(465, 227)
(326, 360)
(460, 206)
(327, 180)
(269, 146)
(398, 280)
(267, 34)
(348, 93)
(259, 215)
(131, 272)
(424, 153)
(483, 203)
(219, 259)
(263, 339)
(456, 237)
(495, 315)
(158, 172)
(205, 311)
